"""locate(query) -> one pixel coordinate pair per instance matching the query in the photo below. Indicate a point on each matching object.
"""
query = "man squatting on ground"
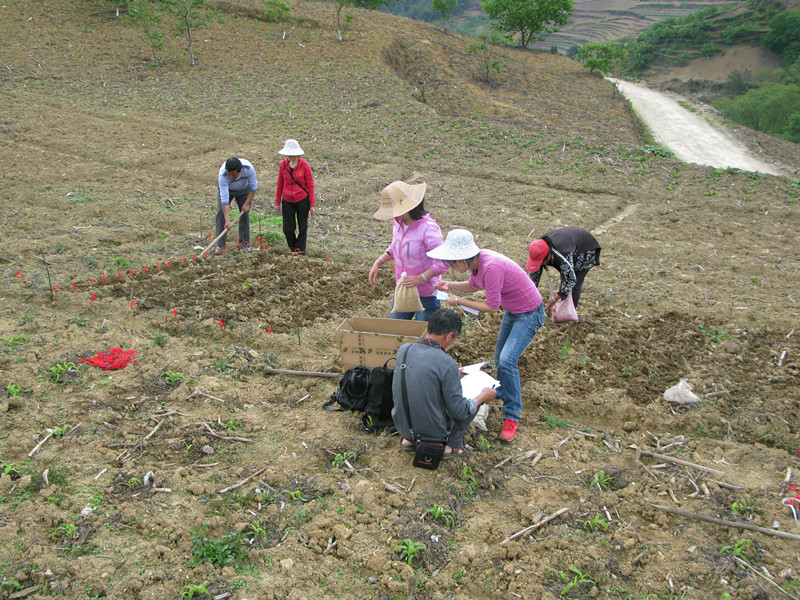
(237, 180)
(436, 405)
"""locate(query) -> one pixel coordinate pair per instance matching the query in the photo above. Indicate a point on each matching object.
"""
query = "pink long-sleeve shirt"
(506, 283)
(409, 247)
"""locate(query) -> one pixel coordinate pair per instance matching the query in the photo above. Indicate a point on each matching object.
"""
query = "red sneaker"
(509, 430)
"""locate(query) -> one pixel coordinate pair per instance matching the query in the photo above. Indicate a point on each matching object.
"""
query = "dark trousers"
(244, 222)
(295, 217)
(576, 291)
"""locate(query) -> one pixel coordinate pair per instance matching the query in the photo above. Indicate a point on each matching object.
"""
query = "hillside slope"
(191, 473)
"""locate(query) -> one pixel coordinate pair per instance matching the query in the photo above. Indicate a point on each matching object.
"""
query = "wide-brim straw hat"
(537, 252)
(398, 198)
(291, 148)
(458, 245)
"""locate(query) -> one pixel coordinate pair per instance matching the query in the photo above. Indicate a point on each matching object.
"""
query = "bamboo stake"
(40, 444)
(535, 526)
(724, 523)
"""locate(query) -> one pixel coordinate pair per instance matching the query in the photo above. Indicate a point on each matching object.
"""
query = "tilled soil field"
(192, 473)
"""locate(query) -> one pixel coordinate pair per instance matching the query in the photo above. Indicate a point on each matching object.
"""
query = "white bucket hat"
(398, 198)
(459, 245)
(291, 148)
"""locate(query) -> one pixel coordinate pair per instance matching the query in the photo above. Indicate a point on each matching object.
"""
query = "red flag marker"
(104, 278)
(119, 274)
(358, 262)
(220, 323)
(326, 256)
(169, 262)
(131, 272)
(93, 297)
(175, 313)
(146, 268)
(19, 275)
(158, 266)
(133, 302)
(269, 329)
(183, 259)
(55, 288)
(226, 248)
(73, 286)
(90, 281)
(209, 235)
(193, 257)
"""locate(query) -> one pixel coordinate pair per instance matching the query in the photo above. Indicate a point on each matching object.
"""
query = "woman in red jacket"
(294, 198)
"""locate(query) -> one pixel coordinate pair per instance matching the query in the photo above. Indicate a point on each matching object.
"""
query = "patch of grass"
(714, 336)
(160, 340)
(484, 444)
(224, 551)
(60, 430)
(553, 421)
(16, 341)
(222, 365)
(121, 262)
(79, 321)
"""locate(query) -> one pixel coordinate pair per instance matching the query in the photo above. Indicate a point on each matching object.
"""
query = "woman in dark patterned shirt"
(571, 250)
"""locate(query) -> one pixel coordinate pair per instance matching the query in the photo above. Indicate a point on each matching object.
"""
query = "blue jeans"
(516, 333)
(429, 306)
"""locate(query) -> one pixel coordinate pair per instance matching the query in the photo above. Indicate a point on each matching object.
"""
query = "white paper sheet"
(441, 295)
(473, 383)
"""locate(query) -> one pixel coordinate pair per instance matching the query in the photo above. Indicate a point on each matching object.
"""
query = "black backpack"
(378, 411)
(352, 392)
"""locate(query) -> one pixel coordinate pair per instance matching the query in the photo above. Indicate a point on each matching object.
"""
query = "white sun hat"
(398, 198)
(291, 148)
(458, 245)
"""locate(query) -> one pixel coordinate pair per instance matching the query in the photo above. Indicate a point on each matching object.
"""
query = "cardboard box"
(371, 342)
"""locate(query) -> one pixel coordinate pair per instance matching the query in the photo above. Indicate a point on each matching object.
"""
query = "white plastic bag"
(681, 393)
(480, 419)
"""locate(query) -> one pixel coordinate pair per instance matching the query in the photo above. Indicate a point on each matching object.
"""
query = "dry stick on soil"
(199, 392)
(535, 526)
(677, 461)
(769, 580)
(724, 523)
(243, 481)
(40, 444)
(228, 438)
(271, 371)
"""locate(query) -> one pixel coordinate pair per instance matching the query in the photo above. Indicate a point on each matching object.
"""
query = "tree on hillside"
(784, 37)
(445, 8)
(484, 51)
(601, 57)
(527, 18)
(340, 4)
(147, 16)
(191, 15)
(277, 11)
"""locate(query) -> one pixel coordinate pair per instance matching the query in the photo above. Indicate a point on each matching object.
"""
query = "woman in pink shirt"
(507, 286)
(414, 233)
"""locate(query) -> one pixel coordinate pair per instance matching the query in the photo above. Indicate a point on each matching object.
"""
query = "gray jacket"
(433, 385)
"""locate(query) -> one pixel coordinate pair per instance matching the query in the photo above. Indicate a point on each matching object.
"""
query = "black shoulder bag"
(378, 411)
(428, 453)
(352, 392)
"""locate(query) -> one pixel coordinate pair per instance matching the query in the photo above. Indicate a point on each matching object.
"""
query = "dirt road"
(688, 135)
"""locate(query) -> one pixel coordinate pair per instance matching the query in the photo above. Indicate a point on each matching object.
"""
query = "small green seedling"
(468, 479)
(10, 586)
(595, 523)
(484, 444)
(342, 458)
(296, 496)
(56, 371)
(65, 531)
(133, 482)
(16, 340)
(739, 549)
(409, 549)
(60, 430)
(172, 378)
(79, 321)
(223, 365)
(259, 528)
(601, 480)
(439, 511)
(192, 590)
(12, 389)
(742, 508)
(11, 470)
(578, 578)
